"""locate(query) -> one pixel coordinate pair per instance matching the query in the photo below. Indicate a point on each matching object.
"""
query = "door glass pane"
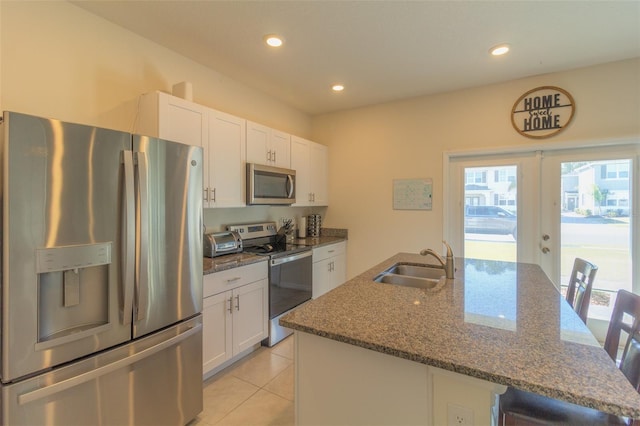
(596, 201)
(490, 215)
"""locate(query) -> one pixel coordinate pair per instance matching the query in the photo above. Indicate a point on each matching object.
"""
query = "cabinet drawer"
(331, 250)
(232, 278)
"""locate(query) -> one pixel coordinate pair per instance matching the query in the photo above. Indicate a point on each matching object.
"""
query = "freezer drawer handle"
(101, 371)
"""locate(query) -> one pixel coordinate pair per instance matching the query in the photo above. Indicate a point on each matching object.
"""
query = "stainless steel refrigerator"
(101, 276)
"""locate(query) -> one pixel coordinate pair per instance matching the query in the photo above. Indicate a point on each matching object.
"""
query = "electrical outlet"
(458, 415)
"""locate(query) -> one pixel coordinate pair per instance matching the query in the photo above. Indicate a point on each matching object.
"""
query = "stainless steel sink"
(411, 275)
(405, 280)
(416, 271)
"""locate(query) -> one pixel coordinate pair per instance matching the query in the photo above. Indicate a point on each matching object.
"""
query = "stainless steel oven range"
(290, 272)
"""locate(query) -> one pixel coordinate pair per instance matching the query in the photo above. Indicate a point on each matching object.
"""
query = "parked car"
(490, 220)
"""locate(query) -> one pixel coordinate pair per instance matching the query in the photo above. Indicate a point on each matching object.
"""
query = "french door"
(589, 209)
(566, 203)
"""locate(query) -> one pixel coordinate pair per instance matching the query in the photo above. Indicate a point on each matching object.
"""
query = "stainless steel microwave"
(268, 185)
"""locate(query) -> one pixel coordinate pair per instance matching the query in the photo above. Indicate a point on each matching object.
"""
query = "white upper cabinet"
(310, 161)
(167, 117)
(225, 176)
(221, 136)
(268, 146)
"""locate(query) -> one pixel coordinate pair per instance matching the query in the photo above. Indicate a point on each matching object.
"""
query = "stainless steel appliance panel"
(62, 188)
(290, 282)
(134, 384)
(169, 239)
(290, 285)
(267, 185)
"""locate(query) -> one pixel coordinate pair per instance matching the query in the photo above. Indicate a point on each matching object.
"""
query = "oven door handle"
(297, 256)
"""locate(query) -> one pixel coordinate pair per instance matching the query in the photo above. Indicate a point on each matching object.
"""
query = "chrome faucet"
(447, 264)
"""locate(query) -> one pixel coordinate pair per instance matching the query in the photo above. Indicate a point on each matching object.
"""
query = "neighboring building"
(496, 186)
(491, 186)
(609, 178)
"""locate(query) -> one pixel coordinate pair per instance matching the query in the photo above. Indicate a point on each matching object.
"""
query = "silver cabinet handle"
(128, 238)
(230, 280)
(269, 155)
(206, 195)
(231, 305)
(142, 281)
(238, 302)
(274, 156)
(213, 195)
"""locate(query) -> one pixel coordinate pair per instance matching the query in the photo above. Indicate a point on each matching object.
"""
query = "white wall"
(59, 61)
(369, 147)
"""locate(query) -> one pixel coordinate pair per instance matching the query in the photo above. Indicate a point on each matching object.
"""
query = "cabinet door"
(250, 315)
(227, 139)
(258, 143)
(216, 330)
(280, 144)
(338, 271)
(321, 277)
(318, 165)
(300, 163)
(168, 117)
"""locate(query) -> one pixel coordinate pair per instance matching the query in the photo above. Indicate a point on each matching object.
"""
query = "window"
(616, 170)
(505, 175)
(475, 177)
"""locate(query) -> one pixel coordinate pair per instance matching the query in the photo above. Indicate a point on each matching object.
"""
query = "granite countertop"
(498, 321)
(316, 242)
(229, 261)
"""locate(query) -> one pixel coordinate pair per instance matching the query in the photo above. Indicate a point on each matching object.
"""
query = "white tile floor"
(257, 390)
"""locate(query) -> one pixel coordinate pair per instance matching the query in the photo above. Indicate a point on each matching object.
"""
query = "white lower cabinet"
(329, 268)
(235, 313)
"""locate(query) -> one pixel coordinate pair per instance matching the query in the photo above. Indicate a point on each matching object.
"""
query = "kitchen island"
(372, 353)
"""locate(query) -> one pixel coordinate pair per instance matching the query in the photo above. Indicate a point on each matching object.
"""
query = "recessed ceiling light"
(337, 87)
(499, 50)
(273, 40)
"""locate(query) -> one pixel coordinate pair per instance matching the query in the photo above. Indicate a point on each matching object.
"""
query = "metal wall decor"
(542, 112)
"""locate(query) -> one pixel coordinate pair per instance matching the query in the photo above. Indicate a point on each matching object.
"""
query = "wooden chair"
(525, 408)
(580, 284)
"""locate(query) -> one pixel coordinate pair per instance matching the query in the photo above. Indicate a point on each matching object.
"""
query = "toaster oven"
(220, 243)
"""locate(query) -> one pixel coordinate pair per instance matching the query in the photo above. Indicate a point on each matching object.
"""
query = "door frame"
(453, 228)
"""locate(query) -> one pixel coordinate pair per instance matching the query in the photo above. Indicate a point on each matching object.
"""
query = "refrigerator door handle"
(44, 392)
(142, 275)
(128, 239)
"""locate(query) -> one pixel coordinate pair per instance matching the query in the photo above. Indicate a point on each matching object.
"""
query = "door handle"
(47, 391)
(128, 238)
(142, 281)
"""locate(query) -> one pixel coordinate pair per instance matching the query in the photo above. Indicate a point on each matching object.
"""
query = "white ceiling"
(381, 50)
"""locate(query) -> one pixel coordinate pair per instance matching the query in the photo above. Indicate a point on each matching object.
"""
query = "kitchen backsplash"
(334, 232)
(216, 220)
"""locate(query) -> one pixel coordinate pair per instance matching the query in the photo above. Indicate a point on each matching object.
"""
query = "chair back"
(626, 317)
(580, 284)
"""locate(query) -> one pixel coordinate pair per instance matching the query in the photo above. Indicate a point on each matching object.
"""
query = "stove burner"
(265, 248)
